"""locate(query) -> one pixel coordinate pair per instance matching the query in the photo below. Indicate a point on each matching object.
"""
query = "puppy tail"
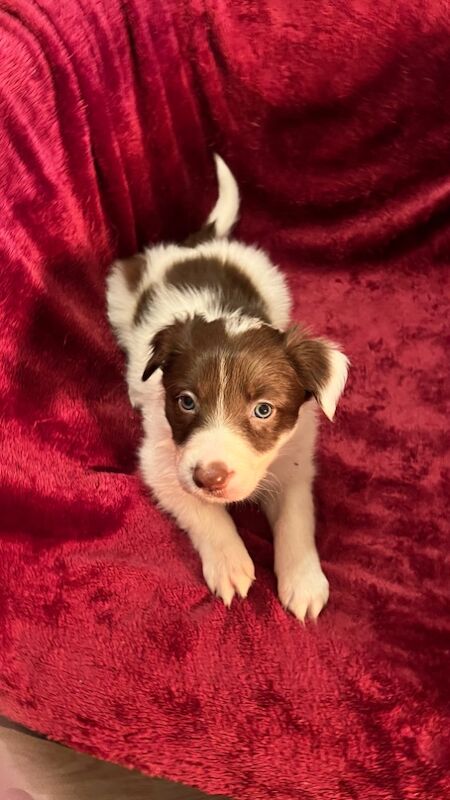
(225, 212)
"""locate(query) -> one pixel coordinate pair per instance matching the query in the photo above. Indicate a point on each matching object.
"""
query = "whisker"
(268, 487)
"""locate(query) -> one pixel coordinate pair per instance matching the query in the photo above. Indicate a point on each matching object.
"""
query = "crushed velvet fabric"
(335, 118)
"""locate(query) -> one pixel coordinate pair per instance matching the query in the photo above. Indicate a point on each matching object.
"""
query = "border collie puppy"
(228, 391)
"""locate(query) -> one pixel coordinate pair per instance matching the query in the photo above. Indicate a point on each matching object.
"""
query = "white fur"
(246, 465)
(224, 213)
(330, 394)
(282, 478)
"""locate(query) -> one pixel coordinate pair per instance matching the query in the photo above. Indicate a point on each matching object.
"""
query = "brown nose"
(213, 476)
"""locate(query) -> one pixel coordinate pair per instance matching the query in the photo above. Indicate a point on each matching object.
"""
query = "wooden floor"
(48, 771)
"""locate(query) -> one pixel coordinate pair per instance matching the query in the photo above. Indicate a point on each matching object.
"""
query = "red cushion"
(335, 118)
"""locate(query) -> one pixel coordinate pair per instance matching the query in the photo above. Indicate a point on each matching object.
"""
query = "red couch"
(335, 118)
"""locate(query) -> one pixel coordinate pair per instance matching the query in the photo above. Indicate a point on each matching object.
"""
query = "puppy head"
(232, 398)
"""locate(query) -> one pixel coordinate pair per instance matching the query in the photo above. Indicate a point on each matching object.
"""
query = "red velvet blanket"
(335, 118)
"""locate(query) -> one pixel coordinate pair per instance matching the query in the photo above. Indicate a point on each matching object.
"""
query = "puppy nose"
(213, 476)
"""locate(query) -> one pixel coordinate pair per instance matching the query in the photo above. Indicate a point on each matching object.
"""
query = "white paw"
(228, 571)
(303, 589)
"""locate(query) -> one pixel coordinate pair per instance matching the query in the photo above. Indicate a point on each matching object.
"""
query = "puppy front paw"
(303, 589)
(228, 570)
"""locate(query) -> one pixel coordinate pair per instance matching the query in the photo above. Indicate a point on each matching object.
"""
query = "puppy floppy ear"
(162, 345)
(321, 367)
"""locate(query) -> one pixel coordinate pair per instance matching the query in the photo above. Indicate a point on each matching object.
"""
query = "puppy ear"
(161, 347)
(321, 367)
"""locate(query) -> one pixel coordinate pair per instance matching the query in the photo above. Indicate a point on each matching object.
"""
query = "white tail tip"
(225, 212)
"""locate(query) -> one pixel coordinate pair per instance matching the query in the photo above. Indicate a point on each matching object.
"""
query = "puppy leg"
(302, 586)
(227, 566)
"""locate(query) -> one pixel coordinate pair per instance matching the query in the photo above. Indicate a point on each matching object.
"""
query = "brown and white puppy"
(228, 393)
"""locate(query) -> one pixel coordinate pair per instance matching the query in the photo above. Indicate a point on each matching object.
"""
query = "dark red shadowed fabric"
(335, 118)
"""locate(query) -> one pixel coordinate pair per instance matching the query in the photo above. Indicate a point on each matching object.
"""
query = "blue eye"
(187, 403)
(263, 410)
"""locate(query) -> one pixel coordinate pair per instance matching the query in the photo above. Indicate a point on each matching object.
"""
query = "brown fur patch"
(310, 359)
(200, 357)
(133, 269)
(143, 304)
(234, 289)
